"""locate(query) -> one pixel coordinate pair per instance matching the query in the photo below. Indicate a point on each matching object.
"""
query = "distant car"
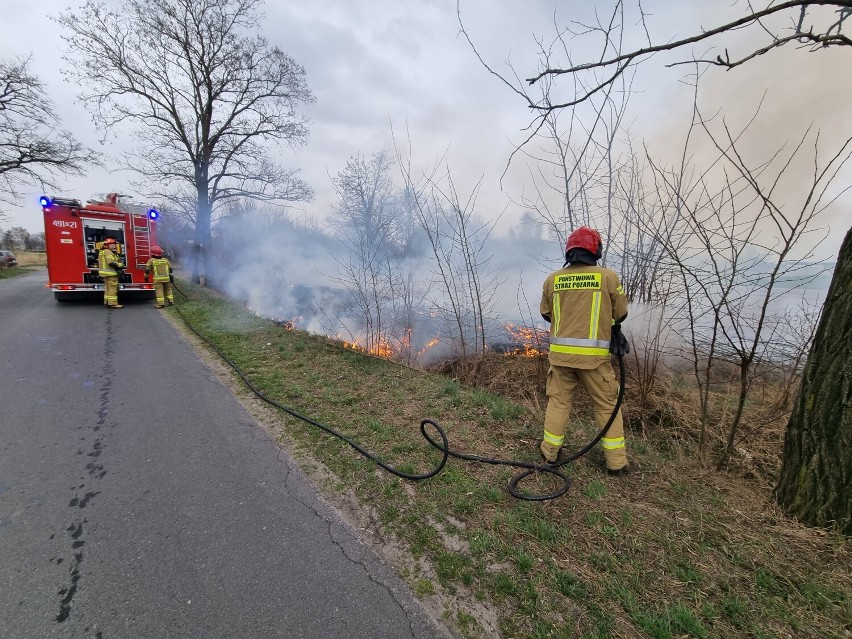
(7, 258)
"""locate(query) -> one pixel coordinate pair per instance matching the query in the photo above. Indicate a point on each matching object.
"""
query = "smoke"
(288, 272)
(294, 273)
(791, 89)
(269, 262)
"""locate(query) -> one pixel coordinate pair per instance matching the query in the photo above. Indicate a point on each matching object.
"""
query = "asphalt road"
(139, 499)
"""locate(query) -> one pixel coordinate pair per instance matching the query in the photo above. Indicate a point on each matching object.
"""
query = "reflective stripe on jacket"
(105, 258)
(161, 268)
(582, 302)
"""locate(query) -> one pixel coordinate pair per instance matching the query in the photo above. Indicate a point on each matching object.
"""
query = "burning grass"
(676, 550)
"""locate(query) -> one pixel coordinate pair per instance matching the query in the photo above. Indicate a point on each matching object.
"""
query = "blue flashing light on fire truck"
(75, 232)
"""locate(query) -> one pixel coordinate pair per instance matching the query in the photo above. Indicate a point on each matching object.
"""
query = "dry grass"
(676, 550)
(31, 258)
(670, 414)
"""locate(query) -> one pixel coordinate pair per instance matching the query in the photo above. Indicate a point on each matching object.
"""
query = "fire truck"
(74, 233)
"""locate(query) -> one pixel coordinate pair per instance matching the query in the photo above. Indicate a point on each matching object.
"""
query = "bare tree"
(800, 22)
(790, 223)
(365, 223)
(457, 240)
(577, 160)
(731, 242)
(32, 149)
(582, 166)
(205, 93)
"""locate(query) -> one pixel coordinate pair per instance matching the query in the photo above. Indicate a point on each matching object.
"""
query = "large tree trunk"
(203, 224)
(816, 471)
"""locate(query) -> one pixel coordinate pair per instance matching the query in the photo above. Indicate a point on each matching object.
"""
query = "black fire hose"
(443, 445)
(530, 467)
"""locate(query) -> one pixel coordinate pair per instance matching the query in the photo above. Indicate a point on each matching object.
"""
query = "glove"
(618, 344)
(146, 278)
(171, 277)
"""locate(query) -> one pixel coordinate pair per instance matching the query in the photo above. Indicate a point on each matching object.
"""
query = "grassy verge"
(15, 271)
(673, 551)
(27, 262)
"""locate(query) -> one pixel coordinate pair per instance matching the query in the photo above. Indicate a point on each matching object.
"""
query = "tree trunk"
(203, 224)
(816, 472)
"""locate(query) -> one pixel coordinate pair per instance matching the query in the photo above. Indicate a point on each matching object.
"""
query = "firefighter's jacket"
(582, 302)
(160, 267)
(107, 262)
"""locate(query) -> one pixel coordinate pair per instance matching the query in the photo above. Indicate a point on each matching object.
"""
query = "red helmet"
(585, 238)
(156, 251)
(109, 241)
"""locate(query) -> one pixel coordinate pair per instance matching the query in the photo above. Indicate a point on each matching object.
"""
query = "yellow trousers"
(110, 290)
(162, 292)
(602, 387)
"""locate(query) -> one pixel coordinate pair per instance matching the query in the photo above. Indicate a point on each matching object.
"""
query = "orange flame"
(289, 325)
(382, 349)
(531, 341)
(431, 343)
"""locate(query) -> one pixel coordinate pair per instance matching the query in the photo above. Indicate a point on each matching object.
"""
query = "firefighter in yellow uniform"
(110, 267)
(583, 303)
(161, 270)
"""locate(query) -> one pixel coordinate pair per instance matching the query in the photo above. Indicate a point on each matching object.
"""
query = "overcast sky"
(375, 62)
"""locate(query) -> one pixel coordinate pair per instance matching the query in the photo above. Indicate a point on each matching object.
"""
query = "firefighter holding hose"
(585, 305)
(110, 267)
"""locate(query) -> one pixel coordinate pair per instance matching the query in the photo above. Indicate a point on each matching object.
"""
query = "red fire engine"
(74, 233)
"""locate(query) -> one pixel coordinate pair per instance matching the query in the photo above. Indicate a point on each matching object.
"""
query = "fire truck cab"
(74, 233)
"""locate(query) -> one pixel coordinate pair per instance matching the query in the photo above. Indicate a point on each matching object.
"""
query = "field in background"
(31, 258)
(28, 261)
